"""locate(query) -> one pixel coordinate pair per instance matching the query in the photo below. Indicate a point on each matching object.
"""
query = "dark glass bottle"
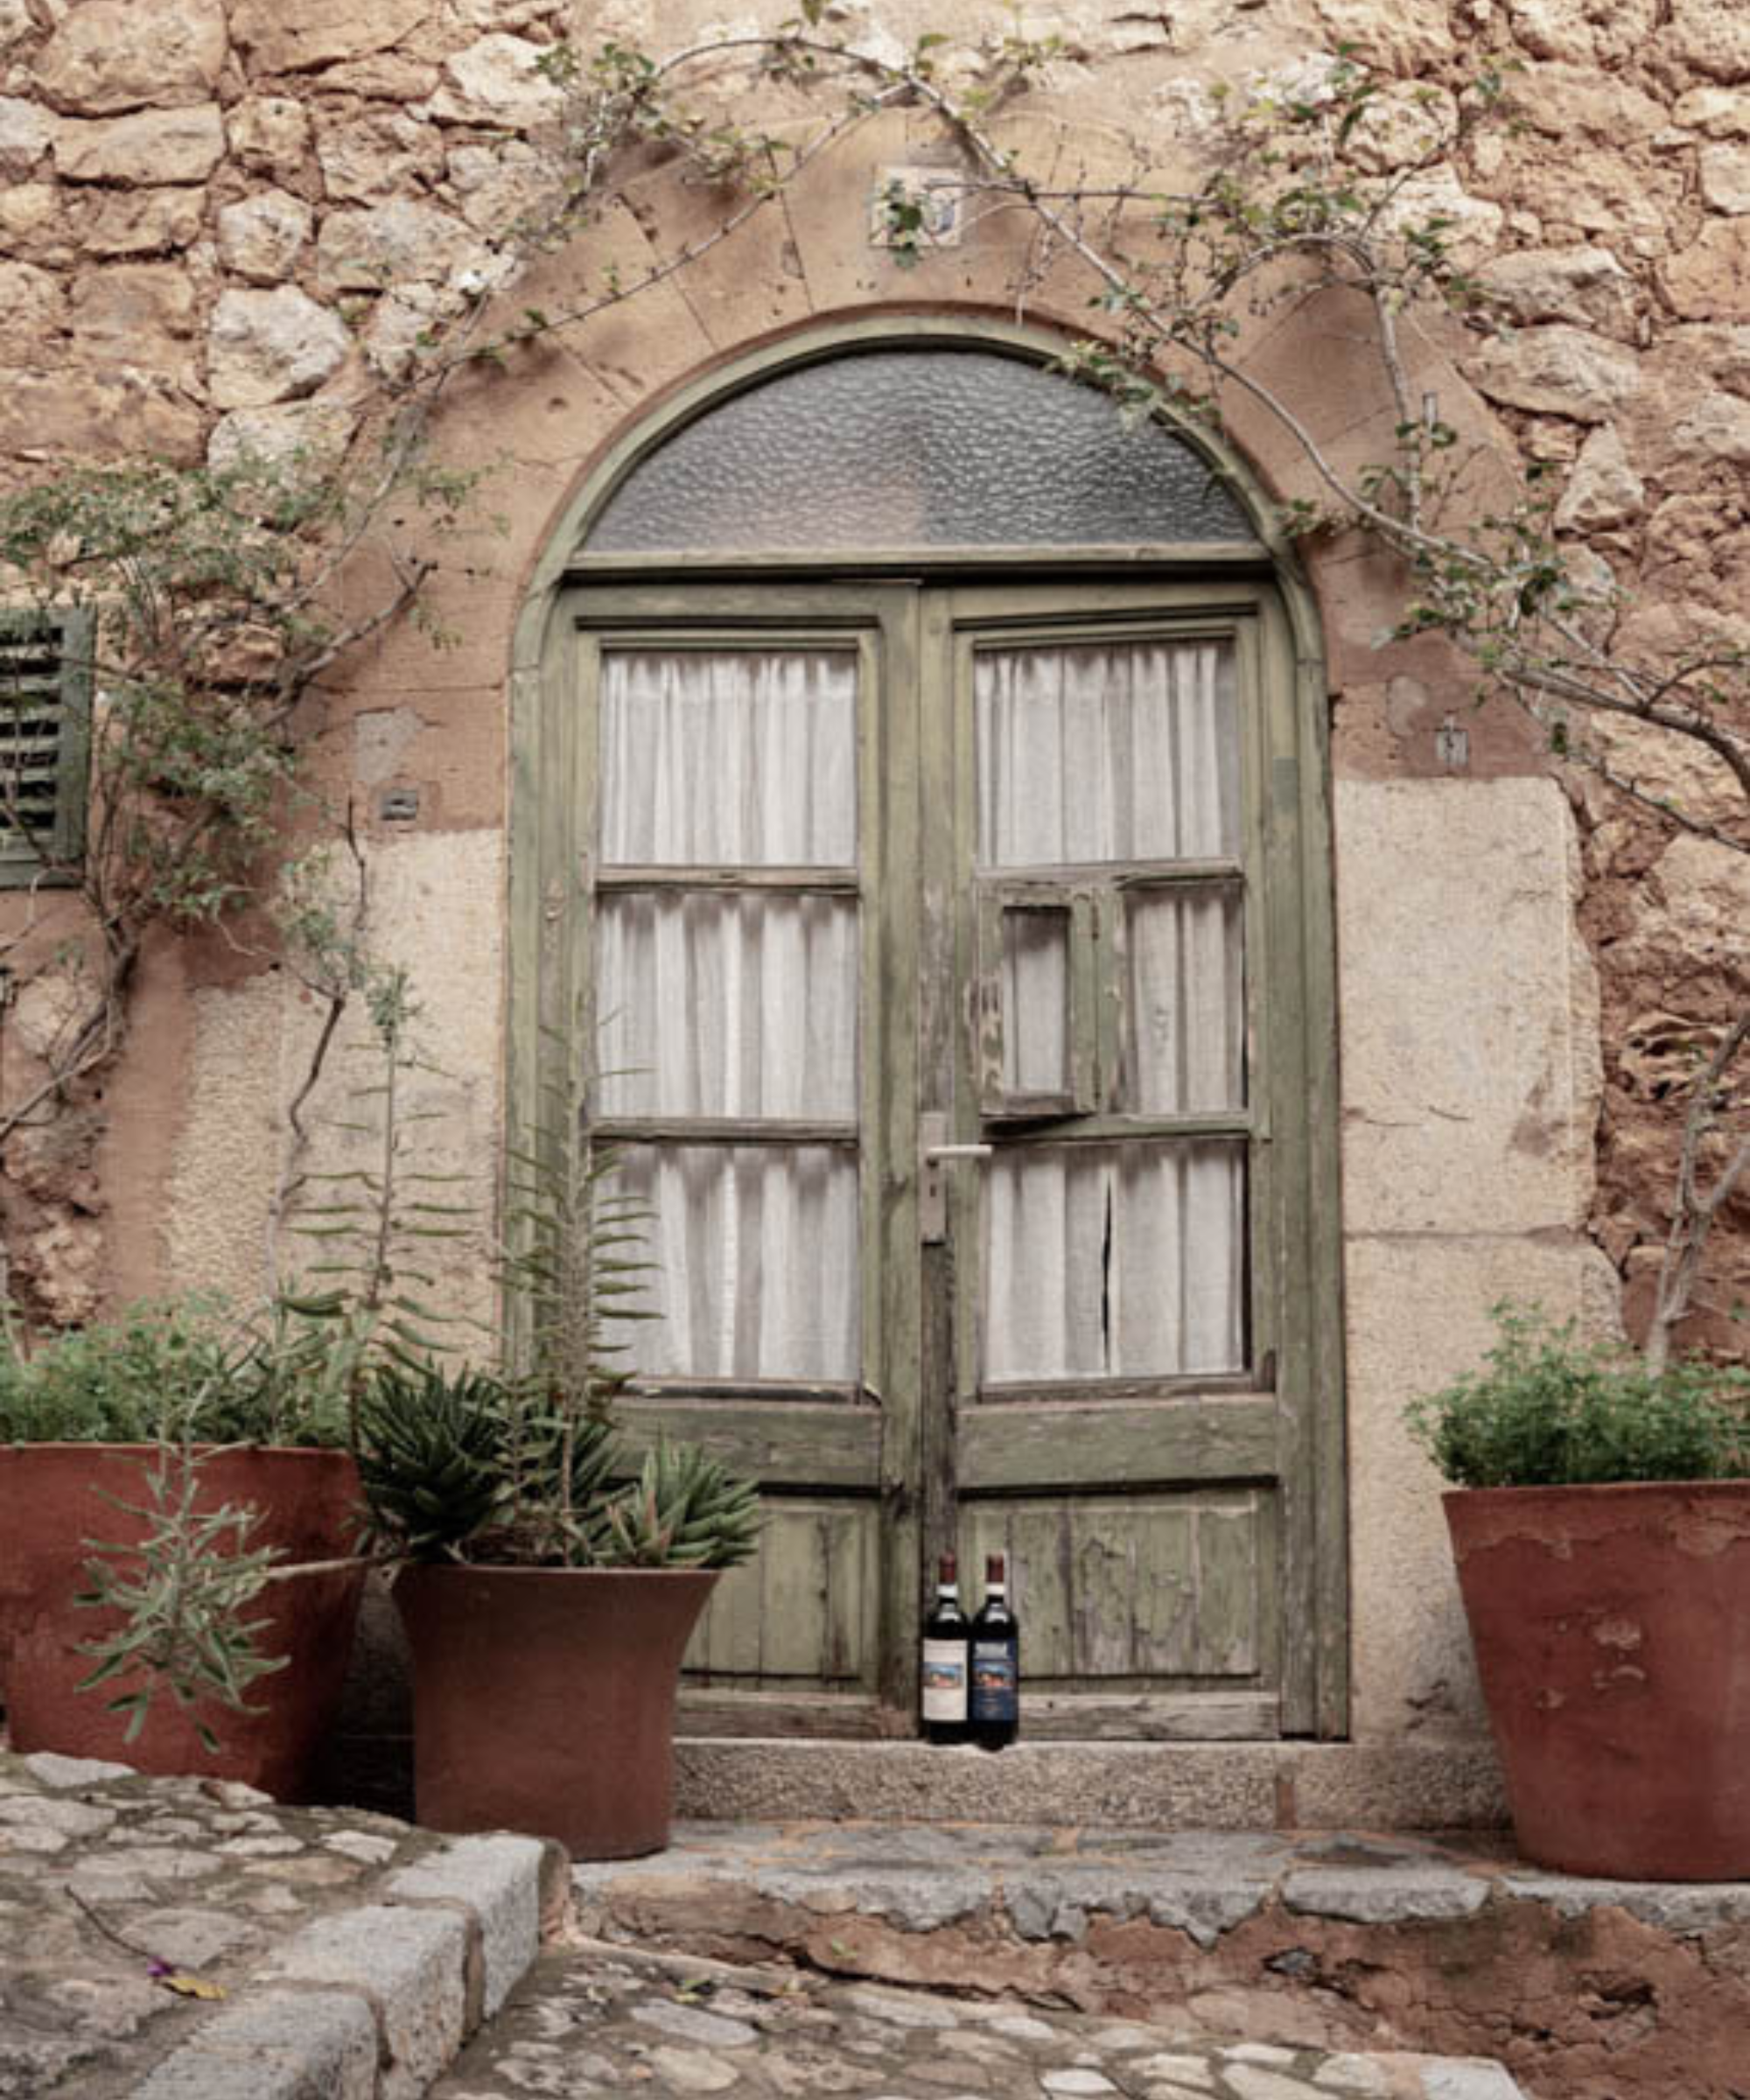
(945, 1673)
(995, 1704)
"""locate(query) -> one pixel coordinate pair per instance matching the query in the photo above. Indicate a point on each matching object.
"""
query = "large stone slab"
(112, 55)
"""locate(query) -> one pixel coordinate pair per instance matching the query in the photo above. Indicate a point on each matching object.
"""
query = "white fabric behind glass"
(756, 1248)
(1035, 995)
(1102, 752)
(1107, 1261)
(1185, 1002)
(727, 1006)
(729, 756)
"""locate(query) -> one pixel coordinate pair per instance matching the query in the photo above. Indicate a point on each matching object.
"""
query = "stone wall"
(227, 224)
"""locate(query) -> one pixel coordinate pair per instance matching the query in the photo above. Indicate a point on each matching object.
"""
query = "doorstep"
(1237, 1785)
(1350, 1941)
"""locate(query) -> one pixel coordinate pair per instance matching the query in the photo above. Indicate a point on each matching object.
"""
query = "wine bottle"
(994, 1706)
(946, 1633)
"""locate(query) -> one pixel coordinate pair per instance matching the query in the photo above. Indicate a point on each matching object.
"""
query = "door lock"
(934, 1153)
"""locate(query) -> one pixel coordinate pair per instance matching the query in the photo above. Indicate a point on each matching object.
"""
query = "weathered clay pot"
(543, 1699)
(56, 1499)
(1611, 1630)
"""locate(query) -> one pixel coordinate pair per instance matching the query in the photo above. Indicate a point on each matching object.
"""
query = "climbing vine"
(216, 588)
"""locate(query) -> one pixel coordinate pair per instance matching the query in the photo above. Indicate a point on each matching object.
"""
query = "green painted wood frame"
(1258, 592)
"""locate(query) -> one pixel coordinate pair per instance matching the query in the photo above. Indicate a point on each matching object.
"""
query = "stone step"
(1335, 1941)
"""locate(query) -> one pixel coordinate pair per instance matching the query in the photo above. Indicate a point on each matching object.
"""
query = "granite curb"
(375, 2002)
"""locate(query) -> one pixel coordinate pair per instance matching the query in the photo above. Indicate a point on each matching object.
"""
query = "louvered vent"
(42, 740)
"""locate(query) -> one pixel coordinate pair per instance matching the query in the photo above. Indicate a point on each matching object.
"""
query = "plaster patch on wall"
(1469, 1011)
(439, 903)
(226, 1160)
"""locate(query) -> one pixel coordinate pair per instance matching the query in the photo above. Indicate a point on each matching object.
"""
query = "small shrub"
(1549, 1409)
(169, 1369)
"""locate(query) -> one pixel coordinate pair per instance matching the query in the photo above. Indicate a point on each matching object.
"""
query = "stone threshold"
(1337, 1940)
(1237, 1785)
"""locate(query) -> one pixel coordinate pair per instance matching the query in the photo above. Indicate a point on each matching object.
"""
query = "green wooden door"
(946, 960)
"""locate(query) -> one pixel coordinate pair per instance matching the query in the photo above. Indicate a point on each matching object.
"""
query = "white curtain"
(735, 1006)
(756, 1248)
(1102, 752)
(1103, 1261)
(727, 1006)
(729, 756)
(1185, 1002)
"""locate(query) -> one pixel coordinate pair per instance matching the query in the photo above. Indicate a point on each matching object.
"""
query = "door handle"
(935, 1152)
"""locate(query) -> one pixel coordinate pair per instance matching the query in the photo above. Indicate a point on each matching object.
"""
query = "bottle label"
(996, 1681)
(944, 1680)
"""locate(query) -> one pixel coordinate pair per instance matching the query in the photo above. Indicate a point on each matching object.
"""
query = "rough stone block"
(277, 2046)
(112, 55)
(497, 1881)
(1385, 1895)
(158, 146)
(411, 1963)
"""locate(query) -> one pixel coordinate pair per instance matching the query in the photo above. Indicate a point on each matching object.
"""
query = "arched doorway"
(920, 826)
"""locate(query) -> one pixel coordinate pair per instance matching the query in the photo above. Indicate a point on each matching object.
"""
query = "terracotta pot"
(543, 1699)
(55, 1499)
(1611, 1629)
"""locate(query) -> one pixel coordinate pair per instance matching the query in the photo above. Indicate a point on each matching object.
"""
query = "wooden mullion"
(722, 1130)
(802, 882)
(1178, 1387)
(1053, 1131)
(1119, 875)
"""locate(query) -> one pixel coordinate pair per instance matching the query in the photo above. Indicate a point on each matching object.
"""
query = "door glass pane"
(1110, 1261)
(728, 757)
(917, 448)
(1185, 1004)
(1107, 752)
(756, 1253)
(1035, 1001)
(727, 1006)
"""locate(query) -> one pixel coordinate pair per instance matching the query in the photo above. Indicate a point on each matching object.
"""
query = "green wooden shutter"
(45, 681)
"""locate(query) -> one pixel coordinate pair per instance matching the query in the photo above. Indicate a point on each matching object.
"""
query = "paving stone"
(1192, 2071)
(1251, 2082)
(54, 1770)
(1387, 1895)
(689, 2023)
(192, 1939)
(1074, 2081)
(1352, 2075)
(1469, 2080)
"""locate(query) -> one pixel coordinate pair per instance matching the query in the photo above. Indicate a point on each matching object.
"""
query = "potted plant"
(152, 1469)
(1600, 1524)
(549, 1586)
(547, 1591)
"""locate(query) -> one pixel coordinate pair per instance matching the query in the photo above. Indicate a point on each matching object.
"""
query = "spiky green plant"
(686, 1509)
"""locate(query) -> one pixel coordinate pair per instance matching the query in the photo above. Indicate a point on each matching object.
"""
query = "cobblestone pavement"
(600, 2020)
(188, 1939)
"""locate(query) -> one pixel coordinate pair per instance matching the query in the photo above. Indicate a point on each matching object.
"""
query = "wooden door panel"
(1137, 1592)
(800, 1614)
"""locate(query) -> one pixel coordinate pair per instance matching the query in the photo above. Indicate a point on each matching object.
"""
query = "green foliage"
(1549, 1409)
(460, 1465)
(182, 1591)
(171, 1368)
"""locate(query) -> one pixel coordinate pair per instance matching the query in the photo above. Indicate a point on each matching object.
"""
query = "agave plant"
(462, 1465)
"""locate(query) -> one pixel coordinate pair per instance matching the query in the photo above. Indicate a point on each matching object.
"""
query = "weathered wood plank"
(1227, 1600)
(701, 1711)
(1094, 1444)
(778, 1442)
(1147, 1717)
(1163, 1607)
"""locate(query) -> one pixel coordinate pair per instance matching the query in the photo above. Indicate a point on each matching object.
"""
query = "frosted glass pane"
(1103, 1261)
(725, 756)
(1035, 989)
(915, 448)
(1107, 752)
(1186, 1004)
(739, 1006)
(756, 1253)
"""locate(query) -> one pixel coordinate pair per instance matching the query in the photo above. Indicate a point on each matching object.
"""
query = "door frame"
(551, 887)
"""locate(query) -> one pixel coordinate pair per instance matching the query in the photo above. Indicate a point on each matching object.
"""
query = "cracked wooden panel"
(1162, 1592)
